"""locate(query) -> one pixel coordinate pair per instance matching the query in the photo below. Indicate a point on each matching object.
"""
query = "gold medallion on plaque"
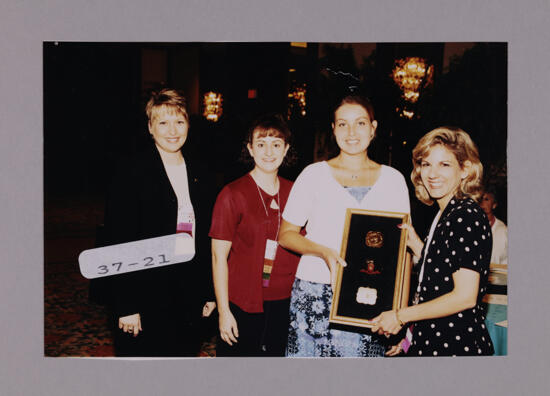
(374, 239)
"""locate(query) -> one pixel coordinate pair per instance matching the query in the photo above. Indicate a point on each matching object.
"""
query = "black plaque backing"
(373, 281)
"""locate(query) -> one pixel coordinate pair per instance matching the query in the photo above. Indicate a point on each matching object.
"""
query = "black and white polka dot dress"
(462, 239)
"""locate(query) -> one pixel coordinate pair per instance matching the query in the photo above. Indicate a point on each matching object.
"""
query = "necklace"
(354, 176)
(265, 208)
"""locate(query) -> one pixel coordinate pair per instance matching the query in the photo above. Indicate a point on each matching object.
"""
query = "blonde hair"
(167, 99)
(464, 149)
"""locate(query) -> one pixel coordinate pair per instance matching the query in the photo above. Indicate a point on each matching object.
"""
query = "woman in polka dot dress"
(447, 316)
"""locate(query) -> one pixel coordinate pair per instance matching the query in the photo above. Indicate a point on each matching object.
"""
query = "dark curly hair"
(354, 99)
(272, 124)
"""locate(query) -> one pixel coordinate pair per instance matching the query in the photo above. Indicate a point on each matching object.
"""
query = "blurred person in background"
(489, 203)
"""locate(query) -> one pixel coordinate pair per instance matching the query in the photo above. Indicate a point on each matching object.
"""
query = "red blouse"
(240, 217)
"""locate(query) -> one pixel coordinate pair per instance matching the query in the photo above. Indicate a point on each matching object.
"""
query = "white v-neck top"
(320, 201)
(186, 215)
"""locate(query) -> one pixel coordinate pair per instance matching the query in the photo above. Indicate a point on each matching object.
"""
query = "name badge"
(186, 228)
(269, 258)
(406, 344)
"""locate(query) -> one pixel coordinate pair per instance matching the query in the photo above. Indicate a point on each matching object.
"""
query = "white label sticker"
(270, 249)
(366, 295)
(136, 256)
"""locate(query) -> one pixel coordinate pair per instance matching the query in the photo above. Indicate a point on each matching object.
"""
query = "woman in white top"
(318, 200)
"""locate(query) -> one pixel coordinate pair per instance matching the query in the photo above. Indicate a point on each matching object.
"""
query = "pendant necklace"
(353, 177)
(270, 245)
(266, 212)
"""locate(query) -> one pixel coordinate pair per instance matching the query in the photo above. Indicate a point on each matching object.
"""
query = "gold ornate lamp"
(213, 106)
(411, 75)
(297, 97)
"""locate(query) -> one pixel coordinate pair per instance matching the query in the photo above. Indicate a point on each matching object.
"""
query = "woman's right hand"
(208, 308)
(130, 324)
(333, 260)
(413, 240)
(228, 327)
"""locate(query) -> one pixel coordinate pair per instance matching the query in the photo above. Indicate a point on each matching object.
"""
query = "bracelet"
(398, 319)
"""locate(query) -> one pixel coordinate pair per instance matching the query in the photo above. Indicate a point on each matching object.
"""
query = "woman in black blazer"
(155, 192)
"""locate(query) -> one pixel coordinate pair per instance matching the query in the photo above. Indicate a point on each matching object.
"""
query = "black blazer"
(142, 204)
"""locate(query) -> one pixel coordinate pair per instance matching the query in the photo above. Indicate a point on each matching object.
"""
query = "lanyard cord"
(278, 208)
(430, 237)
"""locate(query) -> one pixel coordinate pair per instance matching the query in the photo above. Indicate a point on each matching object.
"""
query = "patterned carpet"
(74, 326)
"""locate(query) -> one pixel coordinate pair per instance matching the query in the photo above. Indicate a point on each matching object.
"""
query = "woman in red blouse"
(253, 275)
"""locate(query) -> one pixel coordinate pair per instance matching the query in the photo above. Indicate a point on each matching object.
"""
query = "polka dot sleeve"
(470, 239)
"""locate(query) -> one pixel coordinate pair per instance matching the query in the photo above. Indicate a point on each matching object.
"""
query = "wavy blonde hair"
(464, 149)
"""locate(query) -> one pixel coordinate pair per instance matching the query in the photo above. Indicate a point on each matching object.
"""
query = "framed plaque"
(377, 274)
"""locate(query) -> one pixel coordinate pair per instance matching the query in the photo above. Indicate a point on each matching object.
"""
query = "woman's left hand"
(396, 349)
(386, 323)
(208, 308)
